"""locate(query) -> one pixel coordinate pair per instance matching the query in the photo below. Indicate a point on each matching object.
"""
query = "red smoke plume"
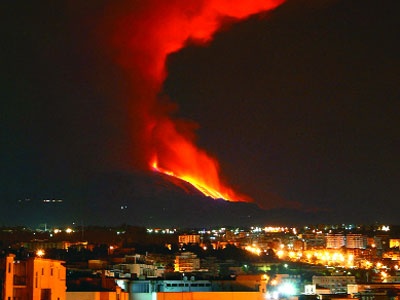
(149, 32)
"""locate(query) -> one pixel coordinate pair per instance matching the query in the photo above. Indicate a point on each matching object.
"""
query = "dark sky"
(299, 105)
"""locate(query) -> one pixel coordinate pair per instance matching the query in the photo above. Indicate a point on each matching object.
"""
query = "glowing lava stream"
(202, 187)
(147, 33)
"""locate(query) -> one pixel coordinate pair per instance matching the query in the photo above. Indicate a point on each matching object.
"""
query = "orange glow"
(209, 190)
(253, 249)
(144, 39)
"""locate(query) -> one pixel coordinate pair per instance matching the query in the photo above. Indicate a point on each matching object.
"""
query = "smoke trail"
(144, 37)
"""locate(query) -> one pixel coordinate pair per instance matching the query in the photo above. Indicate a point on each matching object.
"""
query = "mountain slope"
(152, 200)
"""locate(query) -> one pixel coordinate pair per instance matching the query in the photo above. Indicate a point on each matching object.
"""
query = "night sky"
(299, 105)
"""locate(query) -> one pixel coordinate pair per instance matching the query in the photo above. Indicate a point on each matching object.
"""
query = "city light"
(280, 253)
(274, 282)
(384, 228)
(287, 289)
(253, 249)
(274, 229)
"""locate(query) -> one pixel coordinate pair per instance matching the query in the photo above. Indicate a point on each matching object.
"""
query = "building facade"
(336, 284)
(335, 241)
(187, 262)
(33, 278)
(356, 241)
(189, 239)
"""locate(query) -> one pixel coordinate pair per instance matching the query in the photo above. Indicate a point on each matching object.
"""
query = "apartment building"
(187, 262)
(32, 278)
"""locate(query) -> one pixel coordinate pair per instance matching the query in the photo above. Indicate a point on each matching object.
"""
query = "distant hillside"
(152, 200)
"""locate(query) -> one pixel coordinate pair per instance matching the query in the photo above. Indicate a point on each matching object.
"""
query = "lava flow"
(144, 38)
(220, 193)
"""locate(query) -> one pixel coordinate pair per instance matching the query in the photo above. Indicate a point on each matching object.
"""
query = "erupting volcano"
(144, 39)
